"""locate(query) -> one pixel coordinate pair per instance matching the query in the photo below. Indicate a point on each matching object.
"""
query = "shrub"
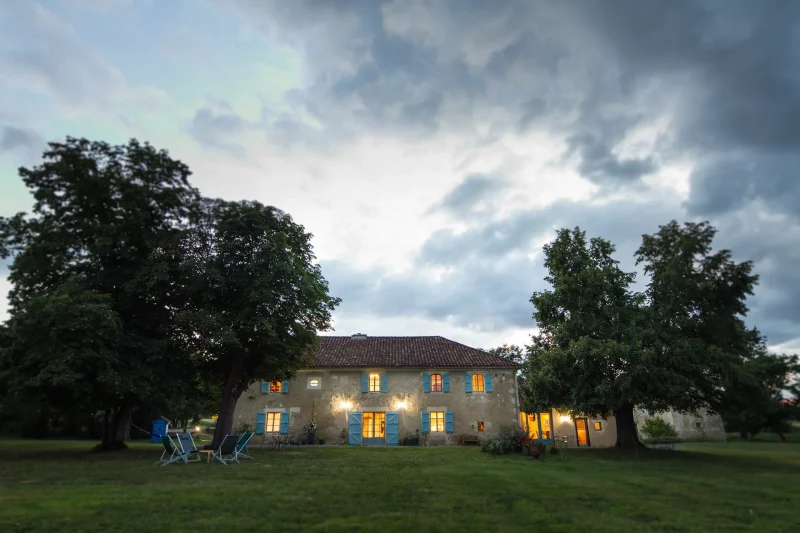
(658, 428)
(510, 437)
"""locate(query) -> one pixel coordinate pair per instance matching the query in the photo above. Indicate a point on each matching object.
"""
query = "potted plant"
(531, 447)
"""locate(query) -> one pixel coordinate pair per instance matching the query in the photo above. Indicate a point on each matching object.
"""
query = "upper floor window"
(275, 386)
(477, 383)
(374, 382)
(314, 383)
(436, 383)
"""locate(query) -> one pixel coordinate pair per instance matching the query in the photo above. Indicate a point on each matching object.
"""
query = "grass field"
(59, 486)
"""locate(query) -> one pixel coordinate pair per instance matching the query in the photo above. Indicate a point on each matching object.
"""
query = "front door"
(373, 429)
(582, 431)
(538, 425)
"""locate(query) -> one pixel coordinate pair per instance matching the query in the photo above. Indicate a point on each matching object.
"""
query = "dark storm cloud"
(719, 79)
(468, 196)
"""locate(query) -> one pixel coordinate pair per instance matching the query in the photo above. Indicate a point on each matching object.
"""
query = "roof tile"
(402, 352)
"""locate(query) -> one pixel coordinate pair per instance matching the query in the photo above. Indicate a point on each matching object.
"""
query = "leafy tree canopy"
(603, 348)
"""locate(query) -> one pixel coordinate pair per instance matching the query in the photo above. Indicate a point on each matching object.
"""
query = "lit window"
(598, 426)
(275, 386)
(436, 383)
(373, 425)
(273, 422)
(437, 421)
(481, 426)
(313, 383)
(477, 382)
(374, 382)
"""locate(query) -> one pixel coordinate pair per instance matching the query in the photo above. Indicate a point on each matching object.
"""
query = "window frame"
(276, 422)
(374, 382)
(597, 425)
(437, 383)
(478, 382)
(436, 421)
(275, 387)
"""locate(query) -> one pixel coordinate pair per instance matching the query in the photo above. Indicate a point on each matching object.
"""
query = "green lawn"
(59, 486)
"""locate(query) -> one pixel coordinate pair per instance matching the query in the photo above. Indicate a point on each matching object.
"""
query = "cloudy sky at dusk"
(433, 147)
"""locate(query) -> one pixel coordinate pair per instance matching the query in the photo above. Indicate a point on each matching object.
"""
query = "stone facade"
(332, 394)
(705, 426)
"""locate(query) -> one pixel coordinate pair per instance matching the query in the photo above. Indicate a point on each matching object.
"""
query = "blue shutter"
(468, 382)
(425, 422)
(265, 387)
(284, 423)
(446, 382)
(260, 418)
(364, 383)
(392, 429)
(426, 382)
(354, 429)
(448, 421)
(384, 382)
(285, 387)
(487, 380)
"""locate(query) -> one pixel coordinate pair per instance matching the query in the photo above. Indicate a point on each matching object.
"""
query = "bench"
(664, 443)
(470, 439)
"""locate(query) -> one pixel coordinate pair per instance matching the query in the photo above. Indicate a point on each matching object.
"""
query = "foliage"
(250, 298)
(656, 427)
(509, 352)
(757, 395)
(603, 349)
(100, 214)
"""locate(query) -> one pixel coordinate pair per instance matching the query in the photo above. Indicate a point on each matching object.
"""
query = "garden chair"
(241, 446)
(189, 450)
(171, 453)
(227, 450)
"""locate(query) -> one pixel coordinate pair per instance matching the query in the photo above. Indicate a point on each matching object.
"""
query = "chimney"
(359, 336)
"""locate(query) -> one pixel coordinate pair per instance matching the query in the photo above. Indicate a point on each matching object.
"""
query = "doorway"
(538, 425)
(582, 431)
(373, 429)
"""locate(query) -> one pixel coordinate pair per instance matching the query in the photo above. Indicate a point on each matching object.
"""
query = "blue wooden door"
(392, 429)
(354, 429)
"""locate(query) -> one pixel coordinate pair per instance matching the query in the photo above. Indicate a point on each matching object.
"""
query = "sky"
(433, 147)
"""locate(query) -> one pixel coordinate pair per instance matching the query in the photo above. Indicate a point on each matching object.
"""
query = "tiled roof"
(402, 352)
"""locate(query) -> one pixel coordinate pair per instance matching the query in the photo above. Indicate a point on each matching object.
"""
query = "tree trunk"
(114, 434)
(782, 436)
(106, 430)
(230, 395)
(627, 436)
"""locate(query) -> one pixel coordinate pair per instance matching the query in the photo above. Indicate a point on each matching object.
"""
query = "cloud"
(12, 138)
(470, 195)
(39, 52)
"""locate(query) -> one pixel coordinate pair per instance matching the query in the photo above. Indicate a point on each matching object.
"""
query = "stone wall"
(705, 426)
(405, 387)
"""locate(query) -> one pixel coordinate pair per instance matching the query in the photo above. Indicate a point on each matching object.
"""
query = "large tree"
(587, 353)
(100, 214)
(252, 298)
(603, 349)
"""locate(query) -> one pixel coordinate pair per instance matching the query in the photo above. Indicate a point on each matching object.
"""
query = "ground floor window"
(437, 421)
(598, 426)
(273, 423)
(481, 426)
(373, 425)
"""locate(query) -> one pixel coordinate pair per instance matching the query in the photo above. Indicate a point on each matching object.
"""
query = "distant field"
(741, 486)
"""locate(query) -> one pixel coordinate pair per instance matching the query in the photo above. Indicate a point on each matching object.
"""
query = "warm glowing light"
(565, 418)
(197, 428)
(401, 404)
(345, 405)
